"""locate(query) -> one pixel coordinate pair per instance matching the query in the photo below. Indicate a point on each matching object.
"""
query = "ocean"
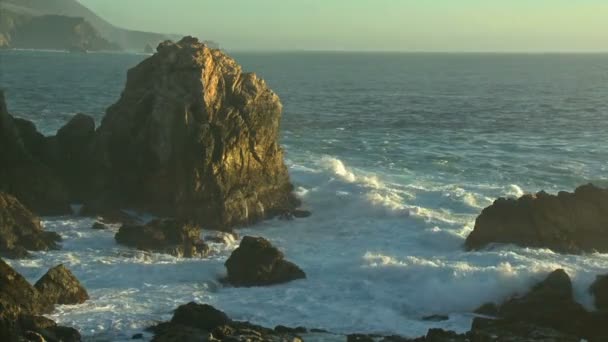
(394, 154)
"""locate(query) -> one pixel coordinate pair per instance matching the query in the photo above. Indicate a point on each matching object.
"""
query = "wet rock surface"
(167, 236)
(256, 262)
(21, 231)
(21, 307)
(567, 222)
(60, 286)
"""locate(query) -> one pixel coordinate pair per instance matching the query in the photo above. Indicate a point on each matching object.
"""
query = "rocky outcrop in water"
(256, 262)
(21, 231)
(60, 286)
(24, 175)
(568, 222)
(20, 308)
(165, 236)
(202, 322)
(549, 309)
(194, 137)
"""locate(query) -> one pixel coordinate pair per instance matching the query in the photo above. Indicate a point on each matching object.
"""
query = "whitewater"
(394, 154)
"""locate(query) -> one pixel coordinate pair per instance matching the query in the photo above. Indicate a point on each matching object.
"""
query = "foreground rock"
(549, 308)
(599, 290)
(20, 308)
(193, 137)
(60, 286)
(568, 223)
(20, 230)
(201, 322)
(164, 236)
(22, 173)
(256, 262)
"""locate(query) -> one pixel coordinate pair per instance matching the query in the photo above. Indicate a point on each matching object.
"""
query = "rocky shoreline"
(194, 141)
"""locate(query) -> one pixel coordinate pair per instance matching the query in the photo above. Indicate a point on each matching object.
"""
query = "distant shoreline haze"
(381, 25)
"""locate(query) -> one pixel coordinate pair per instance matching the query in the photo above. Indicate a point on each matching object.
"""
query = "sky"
(373, 25)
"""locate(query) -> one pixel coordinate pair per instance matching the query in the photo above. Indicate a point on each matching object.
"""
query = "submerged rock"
(202, 322)
(22, 173)
(256, 262)
(20, 230)
(60, 286)
(164, 236)
(194, 137)
(569, 222)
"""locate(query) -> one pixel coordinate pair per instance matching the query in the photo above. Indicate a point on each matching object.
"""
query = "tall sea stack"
(194, 137)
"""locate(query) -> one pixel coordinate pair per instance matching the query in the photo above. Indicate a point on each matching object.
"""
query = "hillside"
(126, 39)
(56, 32)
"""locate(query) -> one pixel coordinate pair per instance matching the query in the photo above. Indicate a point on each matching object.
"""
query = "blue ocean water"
(395, 155)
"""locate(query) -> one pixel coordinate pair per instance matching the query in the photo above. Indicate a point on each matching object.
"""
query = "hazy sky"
(404, 25)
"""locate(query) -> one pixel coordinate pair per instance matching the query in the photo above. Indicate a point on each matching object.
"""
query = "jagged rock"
(99, 226)
(201, 322)
(164, 236)
(484, 329)
(22, 174)
(60, 286)
(599, 290)
(256, 262)
(550, 303)
(194, 137)
(569, 222)
(20, 230)
(20, 307)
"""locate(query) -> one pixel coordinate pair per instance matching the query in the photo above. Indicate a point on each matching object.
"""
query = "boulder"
(60, 286)
(164, 236)
(23, 174)
(256, 262)
(202, 322)
(196, 138)
(599, 290)
(20, 230)
(20, 308)
(567, 222)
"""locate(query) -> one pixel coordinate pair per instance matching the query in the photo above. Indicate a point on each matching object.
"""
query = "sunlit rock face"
(194, 137)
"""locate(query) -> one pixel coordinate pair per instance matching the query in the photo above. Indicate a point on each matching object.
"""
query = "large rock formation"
(164, 236)
(21, 231)
(569, 222)
(20, 308)
(599, 290)
(256, 262)
(60, 286)
(23, 174)
(194, 137)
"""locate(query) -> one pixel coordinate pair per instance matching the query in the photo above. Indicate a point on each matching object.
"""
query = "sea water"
(394, 154)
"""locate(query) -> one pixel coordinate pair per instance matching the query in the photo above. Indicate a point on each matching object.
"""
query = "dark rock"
(201, 322)
(200, 316)
(487, 309)
(20, 307)
(568, 223)
(599, 290)
(17, 293)
(436, 318)
(298, 213)
(22, 174)
(20, 230)
(484, 329)
(440, 335)
(60, 286)
(193, 137)
(164, 236)
(256, 263)
(360, 338)
(138, 336)
(287, 330)
(99, 226)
